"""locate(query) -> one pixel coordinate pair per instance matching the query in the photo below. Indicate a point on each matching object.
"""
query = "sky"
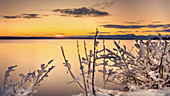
(82, 17)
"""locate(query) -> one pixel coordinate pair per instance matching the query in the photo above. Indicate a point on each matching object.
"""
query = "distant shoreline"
(111, 37)
(81, 38)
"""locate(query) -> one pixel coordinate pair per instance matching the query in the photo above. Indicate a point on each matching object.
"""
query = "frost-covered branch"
(19, 89)
(82, 69)
(69, 70)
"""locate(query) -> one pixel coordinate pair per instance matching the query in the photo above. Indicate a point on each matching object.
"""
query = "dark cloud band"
(164, 30)
(27, 16)
(11, 17)
(80, 12)
(135, 26)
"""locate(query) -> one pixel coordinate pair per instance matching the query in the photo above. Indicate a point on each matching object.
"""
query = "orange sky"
(82, 17)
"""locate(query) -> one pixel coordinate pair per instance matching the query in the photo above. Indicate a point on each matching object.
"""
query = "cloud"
(137, 22)
(156, 22)
(164, 30)
(99, 32)
(135, 26)
(27, 16)
(156, 26)
(123, 26)
(124, 31)
(128, 22)
(104, 5)
(11, 17)
(80, 12)
(149, 31)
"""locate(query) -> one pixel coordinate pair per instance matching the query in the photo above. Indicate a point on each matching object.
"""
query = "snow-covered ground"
(149, 92)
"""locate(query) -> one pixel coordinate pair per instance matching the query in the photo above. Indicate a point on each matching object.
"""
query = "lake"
(29, 54)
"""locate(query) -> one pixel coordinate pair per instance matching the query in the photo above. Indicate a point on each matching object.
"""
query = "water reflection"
(29, 54)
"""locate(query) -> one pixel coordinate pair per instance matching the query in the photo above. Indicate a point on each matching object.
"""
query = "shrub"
(20, 89)
(88, 85)
(149, 69)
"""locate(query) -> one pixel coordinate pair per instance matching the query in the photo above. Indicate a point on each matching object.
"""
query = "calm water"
(29, 54)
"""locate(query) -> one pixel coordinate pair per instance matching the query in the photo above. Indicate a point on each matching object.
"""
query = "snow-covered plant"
(149, 69)
(88, 86)
(28, 82)
(88, 75)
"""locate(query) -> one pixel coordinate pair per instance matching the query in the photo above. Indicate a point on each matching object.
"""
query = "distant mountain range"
(122, 37)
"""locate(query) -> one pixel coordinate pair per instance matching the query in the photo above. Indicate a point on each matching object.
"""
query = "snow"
(149, 92)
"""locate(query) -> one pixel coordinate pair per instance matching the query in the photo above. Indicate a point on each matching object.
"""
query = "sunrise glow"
(32, 18)
(59, 35)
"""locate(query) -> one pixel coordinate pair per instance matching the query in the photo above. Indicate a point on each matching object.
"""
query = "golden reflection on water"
(29, 54)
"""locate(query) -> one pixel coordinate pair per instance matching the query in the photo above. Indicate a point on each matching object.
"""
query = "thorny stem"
(85, 49)
(22, 83)
(89, 60)
(94, 61)
(44, 76)
(13, 87)
(69, 70)
(48, 63)
(104, 61)
(38, 81)
(11, 68)
(81, 67)
(161, 66)
(89, 65)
